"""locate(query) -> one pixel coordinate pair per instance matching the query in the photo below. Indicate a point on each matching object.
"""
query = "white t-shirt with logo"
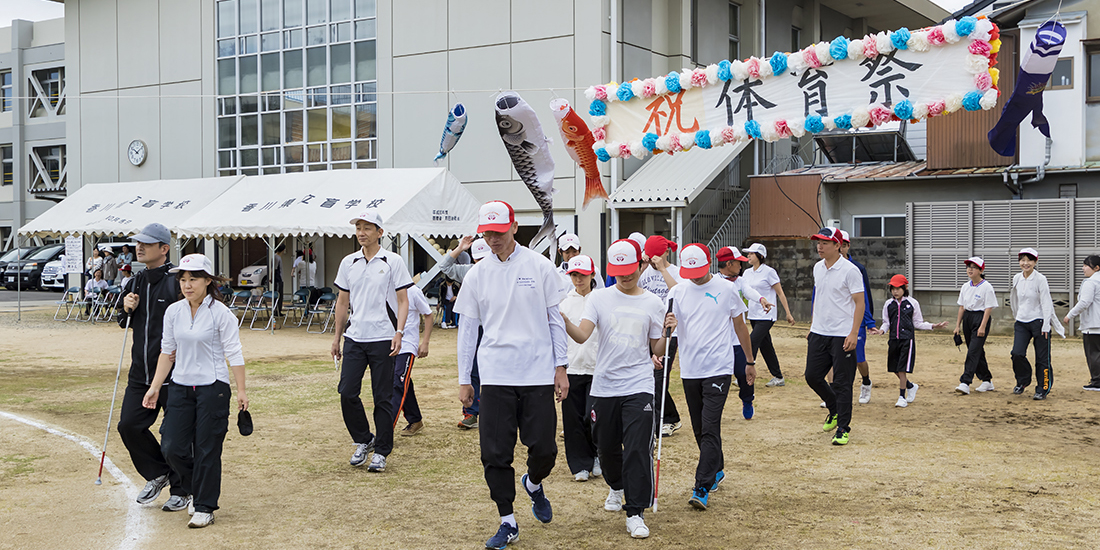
(977, 297)
(834, 307)
(761, 280)
(418, 305)
(510, 299)
(372, 287)
(625, 325)
(654, 281)
(704, 320)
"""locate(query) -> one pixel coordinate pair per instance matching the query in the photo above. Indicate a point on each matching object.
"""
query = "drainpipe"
(1017, 186)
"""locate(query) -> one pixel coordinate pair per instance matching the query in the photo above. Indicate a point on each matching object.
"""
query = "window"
(796, 39)
(5, 91)
(735, 31)
(7, 169)
(879, 226)
(47, 86)
(48, 168)
(1067, 191)
(1062, 77)
(1092, 60)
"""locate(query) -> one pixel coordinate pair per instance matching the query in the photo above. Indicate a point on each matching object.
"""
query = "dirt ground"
(991, 470)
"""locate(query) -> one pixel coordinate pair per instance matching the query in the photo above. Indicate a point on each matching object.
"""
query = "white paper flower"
(638, 150)
(953, 103)
(590, 93)
(767, 131)
(739, 70)
(798, 129)
(687, 140)
(796, 64)
(659, 83)
(685, 80)
(918, 42)
(989, 99)
(599, 121)
(828, 122)
(637, 87)
(883, 43)
(716, 138)
(976, 64)
(920, 111)
(949, 33)
(664, 142)
(861, 117)
(983, 30)
(823, 55)
(712, 74)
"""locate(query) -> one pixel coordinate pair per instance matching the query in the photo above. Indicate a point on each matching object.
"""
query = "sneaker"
(734, 383)
(190, 506)
(359, 458)
(1019, 390)
(1041, 395)
(823, 405)
(176, 503)
(377, 463)
(911, 393)
(747, 410)
(667, 430)
(1091, 387)
(901, 402)
(505, 535)
(469, 421)
(718, 478)
(776, 382)
(963, 389)
(841, 437)
(986, 386)
(413, 429)
(864, 394)
(201, 519)
(581, 475)
(596, 470)
(699, 498)
(152, 489)
(540, 505)
(614, 501)
(830, 423)
(635, 525)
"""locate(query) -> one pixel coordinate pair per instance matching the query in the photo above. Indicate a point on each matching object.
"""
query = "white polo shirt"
(202, 343)
(704, 322)
(761, 280)
(372, 287)
(418, 305)
(511, 299)
(834, 306)
(625, 324)
(977, 297)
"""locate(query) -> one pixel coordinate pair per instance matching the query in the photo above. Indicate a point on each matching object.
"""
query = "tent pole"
(18, 287)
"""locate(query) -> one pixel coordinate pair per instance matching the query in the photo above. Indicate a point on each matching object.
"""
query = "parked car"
(12, 254)
(53, 276)
(28, 271)
(254, 275)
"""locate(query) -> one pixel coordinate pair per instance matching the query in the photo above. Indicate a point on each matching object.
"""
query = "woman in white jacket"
(580, 447)
(1088, 307)
(1033, 309)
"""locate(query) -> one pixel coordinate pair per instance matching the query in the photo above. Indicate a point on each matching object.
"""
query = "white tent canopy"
(125, 208)
(411, 201)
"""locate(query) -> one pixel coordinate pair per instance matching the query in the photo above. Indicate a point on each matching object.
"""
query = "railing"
(735, 228)
(710, 217)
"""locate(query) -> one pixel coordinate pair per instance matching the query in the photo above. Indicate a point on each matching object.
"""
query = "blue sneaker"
(717, 479)
(540, 506)
(505, 535)
(698, 498)
(747, 409)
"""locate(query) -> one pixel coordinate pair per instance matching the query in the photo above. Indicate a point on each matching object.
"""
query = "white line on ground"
(135, 520)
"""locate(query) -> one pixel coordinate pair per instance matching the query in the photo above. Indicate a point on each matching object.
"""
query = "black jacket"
(901, 322)
(157, 289)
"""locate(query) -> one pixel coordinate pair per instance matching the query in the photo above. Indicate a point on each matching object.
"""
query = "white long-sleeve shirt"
(1087, 305)
(1031, 299)
(202, 343)
(582, 357)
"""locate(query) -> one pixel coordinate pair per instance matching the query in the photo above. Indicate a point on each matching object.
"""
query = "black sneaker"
(1091, 387)
(1041, 395)
(1018, 390)
(152, 489)
(505, 535)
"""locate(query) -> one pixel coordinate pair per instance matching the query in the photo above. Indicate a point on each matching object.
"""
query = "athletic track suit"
(157, 289)
(900, 319)
(1033, 309)
(975, 299)
(404, 394)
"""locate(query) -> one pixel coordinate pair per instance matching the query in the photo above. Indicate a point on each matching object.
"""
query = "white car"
(53, 276)
(253, 276)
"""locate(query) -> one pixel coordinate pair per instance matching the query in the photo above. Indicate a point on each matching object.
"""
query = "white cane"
(660, 436)
(110, 414)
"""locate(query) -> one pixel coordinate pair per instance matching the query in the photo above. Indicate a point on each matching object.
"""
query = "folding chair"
(108, 302)
(88, 306)
(67, 301)
(325, 305)
(298, 305)
(240, 302)
(263, 305)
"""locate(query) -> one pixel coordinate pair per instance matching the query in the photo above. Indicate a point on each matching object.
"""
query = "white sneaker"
(201, 519)
(901, 402)
(190, 506)
(668, 429)
(635, 525)
(596, 470)
(377, 463)
(362, 450)
(614, 501)
(823, 405)
(985, 386)
(911, 393)
(734, 383)
(864, 394)
(581, 476)
(963, 389)
(776, 382)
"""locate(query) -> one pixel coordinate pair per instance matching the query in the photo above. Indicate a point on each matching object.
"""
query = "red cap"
(657, 245)
(976, 261)
(827, 234)
(727, 253)
(694, 261)
(495, 216)
(623, 257)
(898, 280)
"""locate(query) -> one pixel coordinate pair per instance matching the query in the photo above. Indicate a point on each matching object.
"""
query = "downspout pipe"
(1017, 186)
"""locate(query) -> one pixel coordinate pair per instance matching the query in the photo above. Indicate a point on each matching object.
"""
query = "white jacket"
(1087, 306)
(1046, 303)
(582, 357)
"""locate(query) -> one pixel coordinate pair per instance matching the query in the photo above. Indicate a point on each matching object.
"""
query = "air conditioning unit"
(833, 223)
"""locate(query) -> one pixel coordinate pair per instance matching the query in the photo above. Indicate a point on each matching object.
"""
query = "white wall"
(1064, 109)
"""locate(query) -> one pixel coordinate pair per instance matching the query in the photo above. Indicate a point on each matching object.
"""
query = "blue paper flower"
(672, 82)
(752, 128)
(702, 139)
(900, 38)
(778, 61)
(724, 73)
(844, 122)
(597, 108)
(904, 109)
(814, 124)
(601, 154)
(649, 141)
(838, 48)
(965, 26)
(972, 101)
(625, 92)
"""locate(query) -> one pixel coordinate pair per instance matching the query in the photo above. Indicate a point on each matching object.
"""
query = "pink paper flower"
(649, 88)
(674, 142)
(936, 108)
(810, 55)
(601, 93)
(624, 150)
(698, 78)
(753, 65)
(728, 134)
(983, 81)
(880, 115)
(935, 36)
(782, 129)
(599, 134)
(980, 47)
(870, 50)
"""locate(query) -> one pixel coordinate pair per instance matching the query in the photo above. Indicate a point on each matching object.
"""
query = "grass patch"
(18, 465)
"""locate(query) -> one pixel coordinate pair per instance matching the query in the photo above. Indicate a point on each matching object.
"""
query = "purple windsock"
(1035, 68)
